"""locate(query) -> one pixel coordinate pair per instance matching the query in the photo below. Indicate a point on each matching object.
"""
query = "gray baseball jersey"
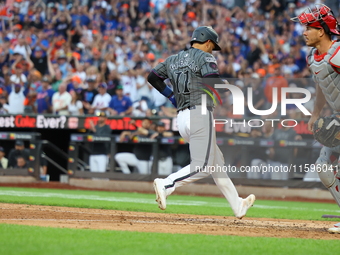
(186, 71)
(326, 73)
(326, 69)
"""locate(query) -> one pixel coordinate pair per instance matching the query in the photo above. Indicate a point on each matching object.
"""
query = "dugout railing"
(233, 144)
(79, 141)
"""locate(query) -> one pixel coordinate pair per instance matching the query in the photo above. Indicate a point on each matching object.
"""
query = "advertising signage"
(119, 124)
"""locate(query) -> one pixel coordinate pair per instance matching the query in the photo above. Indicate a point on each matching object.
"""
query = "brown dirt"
(65, 217)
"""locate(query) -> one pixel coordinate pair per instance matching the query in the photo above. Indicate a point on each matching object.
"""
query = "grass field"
(37, 240)
(17, 239)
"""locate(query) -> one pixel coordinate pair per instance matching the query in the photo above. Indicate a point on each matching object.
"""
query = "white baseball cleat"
(246, 204)
(335, 229)
(160, 193)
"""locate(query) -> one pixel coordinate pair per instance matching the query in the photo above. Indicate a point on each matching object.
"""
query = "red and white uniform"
(326, 70)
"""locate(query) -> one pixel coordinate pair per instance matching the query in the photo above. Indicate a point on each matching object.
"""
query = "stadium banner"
(229, 126)
(69, 122)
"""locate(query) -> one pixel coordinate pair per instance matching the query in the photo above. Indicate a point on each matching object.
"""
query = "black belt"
(209, 108)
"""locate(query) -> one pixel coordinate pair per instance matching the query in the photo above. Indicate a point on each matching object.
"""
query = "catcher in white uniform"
(324, 63)
(194, 72)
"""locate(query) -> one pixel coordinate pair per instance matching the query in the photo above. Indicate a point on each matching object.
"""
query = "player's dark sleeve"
(156, 81)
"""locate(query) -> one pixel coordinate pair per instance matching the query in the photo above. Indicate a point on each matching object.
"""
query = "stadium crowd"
(82, 57)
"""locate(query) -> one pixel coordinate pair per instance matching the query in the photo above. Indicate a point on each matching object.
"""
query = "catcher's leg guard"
(326, 173)
(331, 183)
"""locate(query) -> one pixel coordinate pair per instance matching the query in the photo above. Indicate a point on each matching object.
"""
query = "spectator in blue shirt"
(111, 24)
(75, 83)
(87, 95)
(80, 14)
(44, 97)
(144, 6)
(120, 105)
(40, 42)
(62, 23)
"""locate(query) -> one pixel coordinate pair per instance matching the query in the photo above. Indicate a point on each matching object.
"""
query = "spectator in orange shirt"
(275, 64)
(276, 81)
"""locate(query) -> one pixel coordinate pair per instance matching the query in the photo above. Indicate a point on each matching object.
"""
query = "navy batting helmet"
(203, 34)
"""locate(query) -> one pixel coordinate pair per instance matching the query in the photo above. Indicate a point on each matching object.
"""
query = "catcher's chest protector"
(326, 73)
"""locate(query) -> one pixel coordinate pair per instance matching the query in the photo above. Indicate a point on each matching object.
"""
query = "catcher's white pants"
(199, 132)
(329, 176)
(126, 159)
(98, 163)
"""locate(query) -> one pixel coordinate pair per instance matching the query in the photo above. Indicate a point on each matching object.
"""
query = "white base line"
(148, 201)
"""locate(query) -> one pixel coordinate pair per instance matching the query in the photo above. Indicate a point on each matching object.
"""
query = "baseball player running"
(192, 72)
(324, 63)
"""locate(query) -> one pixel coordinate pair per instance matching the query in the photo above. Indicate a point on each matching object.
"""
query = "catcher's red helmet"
(320, 17)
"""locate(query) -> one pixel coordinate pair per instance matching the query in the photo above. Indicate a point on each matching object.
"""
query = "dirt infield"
(66, 217)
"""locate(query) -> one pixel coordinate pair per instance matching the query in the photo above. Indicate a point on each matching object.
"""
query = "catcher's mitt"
(326, 130)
